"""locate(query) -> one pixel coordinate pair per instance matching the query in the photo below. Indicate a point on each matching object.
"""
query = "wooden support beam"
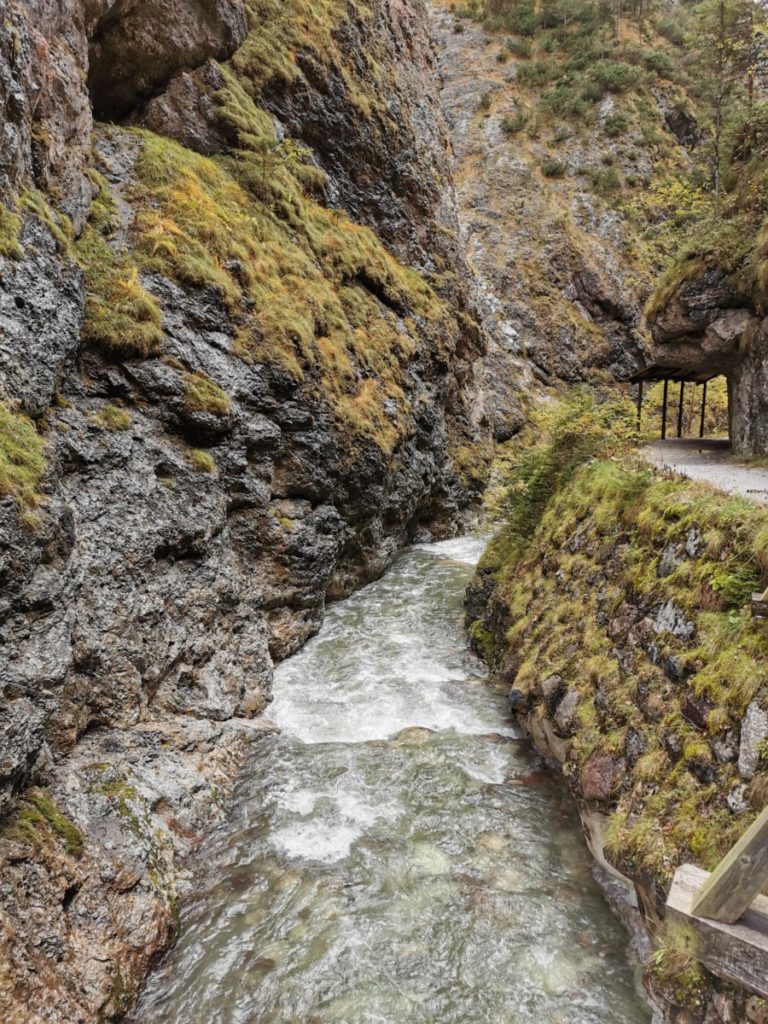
(703, 408)
(639, 405)
(680, 410)
(739, 877)
(664, 411)
(735, 952)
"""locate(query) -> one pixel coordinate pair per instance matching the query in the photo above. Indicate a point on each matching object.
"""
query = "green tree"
(722, 43)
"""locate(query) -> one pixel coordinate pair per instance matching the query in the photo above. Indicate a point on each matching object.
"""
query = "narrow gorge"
(314, 316)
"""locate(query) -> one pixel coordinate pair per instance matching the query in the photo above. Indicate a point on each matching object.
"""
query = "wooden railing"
(726, 911)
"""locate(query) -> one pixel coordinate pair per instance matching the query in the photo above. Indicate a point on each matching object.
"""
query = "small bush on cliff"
(515, 123)
(552, 168)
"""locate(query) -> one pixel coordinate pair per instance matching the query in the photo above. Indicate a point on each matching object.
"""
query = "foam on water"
(394, 854)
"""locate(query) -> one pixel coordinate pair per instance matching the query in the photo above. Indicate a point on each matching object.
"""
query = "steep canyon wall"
(237, 373)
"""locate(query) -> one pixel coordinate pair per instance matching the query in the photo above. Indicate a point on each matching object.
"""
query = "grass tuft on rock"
(201, 461)
(121, 316)
(111, 418)
(22, 458)
(10, 231)
(201, 394)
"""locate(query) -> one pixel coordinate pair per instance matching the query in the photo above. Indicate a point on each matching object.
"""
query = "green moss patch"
(201, 461)
(201, 394)
(111, 418)
(38, 821)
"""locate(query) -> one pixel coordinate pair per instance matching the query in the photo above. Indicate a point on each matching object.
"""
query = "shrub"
(538, 73)
(565, 101)
(519, 47)
(672, 25)
(561, 134)
(522, 21)
(485, 101)
(502, 56)
(660, 62)
(605, 180)
(515, 123)
(551, 168)
(560, 438)
(592, 92)
(615, 75)
(615, 125)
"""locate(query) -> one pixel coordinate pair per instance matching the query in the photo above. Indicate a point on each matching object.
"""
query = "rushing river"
(395, 855)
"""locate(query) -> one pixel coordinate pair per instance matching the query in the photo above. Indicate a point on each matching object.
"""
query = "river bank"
(614, 606)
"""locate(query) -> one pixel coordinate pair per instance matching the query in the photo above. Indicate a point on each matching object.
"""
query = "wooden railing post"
(739, 877)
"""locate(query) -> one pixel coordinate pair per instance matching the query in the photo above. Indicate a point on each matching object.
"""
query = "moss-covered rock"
(633, 591)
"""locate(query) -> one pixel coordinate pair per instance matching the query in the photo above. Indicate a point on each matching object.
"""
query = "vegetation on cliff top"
(587, 72)
(633, 74)
(634, 589)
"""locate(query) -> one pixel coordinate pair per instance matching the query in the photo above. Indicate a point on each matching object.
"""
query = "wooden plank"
(736, 952)
(740, 876)
(760, 605)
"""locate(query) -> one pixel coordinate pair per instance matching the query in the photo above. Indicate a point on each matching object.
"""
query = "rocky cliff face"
(710, 324)
(552, 170)
(237, 373)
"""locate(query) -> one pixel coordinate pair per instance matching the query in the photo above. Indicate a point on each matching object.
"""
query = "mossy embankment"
(614, 602)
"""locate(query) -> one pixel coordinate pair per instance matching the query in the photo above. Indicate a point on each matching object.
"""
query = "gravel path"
(712, 462)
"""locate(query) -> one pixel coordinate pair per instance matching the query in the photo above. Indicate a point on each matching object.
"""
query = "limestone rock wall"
(182, 544)
(708, 323)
